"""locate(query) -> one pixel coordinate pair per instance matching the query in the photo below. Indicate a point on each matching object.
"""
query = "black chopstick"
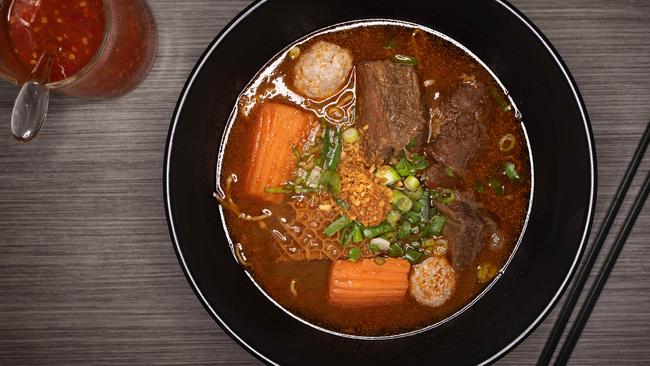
(599, 283)
(583, 274)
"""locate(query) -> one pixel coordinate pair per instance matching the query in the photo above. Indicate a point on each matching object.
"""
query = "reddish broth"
(444, 63)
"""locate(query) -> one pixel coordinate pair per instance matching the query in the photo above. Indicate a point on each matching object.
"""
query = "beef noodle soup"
(375, 178)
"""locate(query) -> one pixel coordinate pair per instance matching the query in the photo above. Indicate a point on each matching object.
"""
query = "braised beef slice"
(468, 228)
(457, 125)
(389, 102)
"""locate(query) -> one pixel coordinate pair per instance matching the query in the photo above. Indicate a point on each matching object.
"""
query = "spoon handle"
(29, 110)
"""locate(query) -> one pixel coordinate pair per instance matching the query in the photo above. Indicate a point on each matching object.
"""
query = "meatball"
(433, 281)
(322, 70)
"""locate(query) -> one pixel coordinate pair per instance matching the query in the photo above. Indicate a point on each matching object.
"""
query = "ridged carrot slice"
(366, 283)
(278, 127)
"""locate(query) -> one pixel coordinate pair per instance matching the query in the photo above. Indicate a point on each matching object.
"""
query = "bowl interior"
(562, 155)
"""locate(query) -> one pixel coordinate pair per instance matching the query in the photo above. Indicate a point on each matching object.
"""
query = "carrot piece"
(366, 283)
(278, 127)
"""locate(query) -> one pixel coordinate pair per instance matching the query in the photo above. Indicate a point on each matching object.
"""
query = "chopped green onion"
(379, 245)
(354, 254)
(411, 183)
(294, 52)
(280, 189)
(395, 250)
(403, 167)
(446, 196)
(379, 260)
(419, 162)
(296, 153)
(357, 233)
(437, 223)
(404, 229)
(413, 256)
(415, 195)
(449, 172)
(498, 98)
(405, 60)
(390, 44)
(314, 177)
(390, 236)
(496, 186)
(331, 149)
(424, 206)
(401, 201)
(393, 217)
(330, 179)
(374, 231)
(412, 143)
(479, 187)
(336, 226)
(485, 272)
(388, 174)
(507, 143)
(413, 217)
(347, 233)
(344, 205)
(350, 135)
(510, 171)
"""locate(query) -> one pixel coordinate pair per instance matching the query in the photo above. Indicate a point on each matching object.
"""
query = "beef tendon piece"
(389, 102)
(468, 228)
(457, 127)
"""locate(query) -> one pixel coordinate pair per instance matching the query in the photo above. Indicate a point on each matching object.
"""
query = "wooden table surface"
(87, 270)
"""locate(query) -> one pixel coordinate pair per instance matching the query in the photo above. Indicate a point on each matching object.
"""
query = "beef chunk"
(468, 228)
(457, 125)
(389, 102)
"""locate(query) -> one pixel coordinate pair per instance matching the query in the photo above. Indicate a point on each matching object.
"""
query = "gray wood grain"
(87, 270)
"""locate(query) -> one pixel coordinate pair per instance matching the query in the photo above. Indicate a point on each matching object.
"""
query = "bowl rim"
(230, 27)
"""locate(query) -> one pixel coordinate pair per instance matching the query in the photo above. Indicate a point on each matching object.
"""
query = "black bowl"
(561, 214)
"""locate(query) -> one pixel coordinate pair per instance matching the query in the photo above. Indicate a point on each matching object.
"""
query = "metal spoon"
(30, 107)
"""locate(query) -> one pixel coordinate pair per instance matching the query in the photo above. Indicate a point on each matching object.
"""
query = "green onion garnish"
(507, 142)
(411, 183)
(357, 233)
(401, 201)
(413, 256)
(510, 171)
(374, 231)
(395, 250)
(449, 172)
(404, 229)
(330, 179)
(404, 168)
(405, 60)
(390, 44)
(393, 217)
(496, 186)
(413, 217)
(388, 174)
(336, 226)
(419, 162)
(479, 187)
(354, 254)
(332, 149)
(344, 205)
(280, 189)
(446, 196)
(437, 223)
(379, 260)
(412, 143)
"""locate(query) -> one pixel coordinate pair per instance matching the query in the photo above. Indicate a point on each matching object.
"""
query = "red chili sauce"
(72, 28)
